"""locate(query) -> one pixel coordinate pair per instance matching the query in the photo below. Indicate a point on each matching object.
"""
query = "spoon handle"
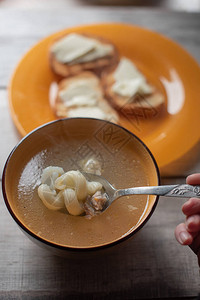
(180, 190)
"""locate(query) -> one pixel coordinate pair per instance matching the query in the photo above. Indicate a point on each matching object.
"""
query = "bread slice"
(82, 96)
(150, 102)
(76, 67)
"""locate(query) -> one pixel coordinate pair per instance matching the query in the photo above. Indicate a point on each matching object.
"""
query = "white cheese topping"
(129, 80)
(81, 101)
(81, 92)
(88, 112)
(75, 48)
(71, 47)
(126, 70)
(100, 50)
(83, 98)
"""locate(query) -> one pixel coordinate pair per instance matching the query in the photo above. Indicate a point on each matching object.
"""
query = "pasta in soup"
(70, 190)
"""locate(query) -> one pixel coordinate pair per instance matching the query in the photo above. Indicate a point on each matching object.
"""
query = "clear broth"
(125, 163)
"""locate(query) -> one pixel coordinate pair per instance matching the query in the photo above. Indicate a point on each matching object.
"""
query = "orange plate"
(169, 134)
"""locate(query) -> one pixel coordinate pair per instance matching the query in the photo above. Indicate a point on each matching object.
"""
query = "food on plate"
(97, 82)
(82, 96)
(127, 89)
(71, 190)
(75, 52)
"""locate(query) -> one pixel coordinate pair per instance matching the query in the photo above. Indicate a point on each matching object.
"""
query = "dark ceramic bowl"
(125, 161)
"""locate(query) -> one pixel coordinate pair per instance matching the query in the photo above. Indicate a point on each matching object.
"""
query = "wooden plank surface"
(152, 265)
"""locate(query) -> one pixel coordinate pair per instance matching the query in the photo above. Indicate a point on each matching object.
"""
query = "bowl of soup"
(76, 145)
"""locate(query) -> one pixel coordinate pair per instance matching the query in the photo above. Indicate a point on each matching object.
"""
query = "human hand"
(188, 233)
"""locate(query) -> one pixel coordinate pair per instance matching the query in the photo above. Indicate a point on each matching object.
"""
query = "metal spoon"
(179, 190)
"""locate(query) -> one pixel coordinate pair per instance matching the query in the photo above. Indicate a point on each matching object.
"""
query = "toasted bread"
(95, 65)
(152, 101)
(80, 104)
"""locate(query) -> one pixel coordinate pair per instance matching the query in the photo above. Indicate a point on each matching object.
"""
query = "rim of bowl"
(71, 248)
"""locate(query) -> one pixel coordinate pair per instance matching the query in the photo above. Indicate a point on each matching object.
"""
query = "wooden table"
(152, 265)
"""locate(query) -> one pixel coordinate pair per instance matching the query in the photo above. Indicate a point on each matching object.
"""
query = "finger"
(182, 235)
(193, 179)
(193, 223)
(195, 246)
(191, 207)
